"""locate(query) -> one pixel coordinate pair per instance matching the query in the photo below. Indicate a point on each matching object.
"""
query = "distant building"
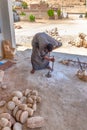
(39, 6)
(6, 23)
(34, 6)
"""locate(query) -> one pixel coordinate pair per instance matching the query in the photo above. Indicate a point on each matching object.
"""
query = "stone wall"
(75, 9)
(65, 2)
(42, 14)
(39, 14)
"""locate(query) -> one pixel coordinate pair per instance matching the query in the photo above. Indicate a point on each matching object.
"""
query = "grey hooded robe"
(39, 42)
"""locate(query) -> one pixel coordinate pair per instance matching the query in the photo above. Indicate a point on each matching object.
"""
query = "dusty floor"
(64, 96)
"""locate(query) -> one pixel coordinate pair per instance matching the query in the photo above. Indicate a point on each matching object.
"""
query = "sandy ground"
(64, 96)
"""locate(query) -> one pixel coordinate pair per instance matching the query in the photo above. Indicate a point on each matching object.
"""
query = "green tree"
(50, 13)
(31, 18)
(85, 14)
(59, 13)
(22, 13)
(24, 5)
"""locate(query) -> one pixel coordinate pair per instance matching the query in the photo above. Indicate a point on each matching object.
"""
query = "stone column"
(7, 21)
(1, 35)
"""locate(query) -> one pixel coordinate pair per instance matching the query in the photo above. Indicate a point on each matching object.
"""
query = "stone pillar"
(7, 21)
(1, 35)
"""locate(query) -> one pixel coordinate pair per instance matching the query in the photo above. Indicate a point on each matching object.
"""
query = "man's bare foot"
(32, 71)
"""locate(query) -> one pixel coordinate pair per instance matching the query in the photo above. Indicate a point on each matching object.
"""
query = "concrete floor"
(64, 96)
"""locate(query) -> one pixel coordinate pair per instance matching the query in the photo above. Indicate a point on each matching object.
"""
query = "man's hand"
(52, 59)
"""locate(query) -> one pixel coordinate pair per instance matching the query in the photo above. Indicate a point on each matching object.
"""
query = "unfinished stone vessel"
(82, 75)
(35, 122)
(8, 51)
